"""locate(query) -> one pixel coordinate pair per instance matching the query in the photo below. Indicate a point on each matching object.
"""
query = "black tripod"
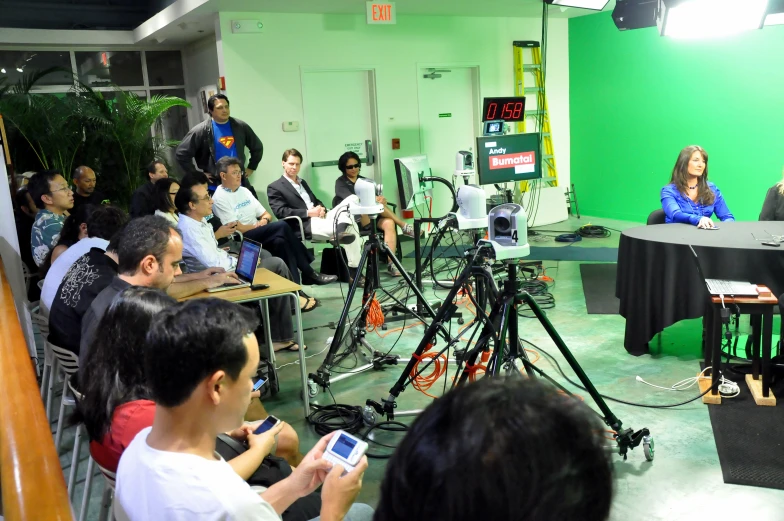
(500, 334)
(375, 359)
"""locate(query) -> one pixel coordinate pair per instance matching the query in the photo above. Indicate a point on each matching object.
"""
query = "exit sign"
(381, 13)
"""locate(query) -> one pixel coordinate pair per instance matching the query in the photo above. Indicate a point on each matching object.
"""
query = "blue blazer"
(678, 208)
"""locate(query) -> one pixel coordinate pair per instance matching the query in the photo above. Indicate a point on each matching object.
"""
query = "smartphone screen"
(258, 384)
(266, 425)
(344, 446)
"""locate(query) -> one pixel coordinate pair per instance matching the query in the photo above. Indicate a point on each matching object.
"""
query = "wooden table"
(761, 310)
(278, 287)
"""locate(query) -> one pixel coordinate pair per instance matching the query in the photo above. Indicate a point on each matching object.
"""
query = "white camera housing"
(507, 227)
(472, 212)
(366, 191)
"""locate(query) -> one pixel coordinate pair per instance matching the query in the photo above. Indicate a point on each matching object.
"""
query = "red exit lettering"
(382, 12)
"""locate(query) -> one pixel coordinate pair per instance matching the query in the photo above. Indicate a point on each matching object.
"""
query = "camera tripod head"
(366, 191)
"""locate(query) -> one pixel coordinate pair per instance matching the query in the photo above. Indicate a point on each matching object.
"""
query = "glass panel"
(164, 68)
(15, 64)
(175, 120)
(106, 68)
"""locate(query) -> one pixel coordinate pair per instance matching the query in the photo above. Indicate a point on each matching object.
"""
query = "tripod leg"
(609, 417)
(515, 347)
(444, 314)
(322, 374)
(423, 305)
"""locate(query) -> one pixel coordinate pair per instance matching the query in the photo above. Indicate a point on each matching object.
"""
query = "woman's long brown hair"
(680, 175)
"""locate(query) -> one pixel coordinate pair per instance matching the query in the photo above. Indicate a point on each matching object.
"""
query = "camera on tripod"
(507, 227)
(366, 191)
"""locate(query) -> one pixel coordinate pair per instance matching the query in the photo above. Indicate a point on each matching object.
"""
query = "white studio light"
(366, 191)
(710, 18)
(774, 19)
(595, 5)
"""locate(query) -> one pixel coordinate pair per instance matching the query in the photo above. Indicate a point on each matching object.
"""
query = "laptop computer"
(247, 263)
(725, 287)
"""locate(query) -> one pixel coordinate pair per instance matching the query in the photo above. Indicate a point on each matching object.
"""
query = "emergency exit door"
(340, 115)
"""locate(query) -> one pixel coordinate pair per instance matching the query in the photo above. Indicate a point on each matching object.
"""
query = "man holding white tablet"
(170, 471)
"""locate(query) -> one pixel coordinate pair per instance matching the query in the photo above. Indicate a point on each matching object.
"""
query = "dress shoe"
(319, 279)
(344, 238)
(361, 281)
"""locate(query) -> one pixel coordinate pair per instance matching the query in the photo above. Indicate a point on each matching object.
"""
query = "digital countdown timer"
(505, 109)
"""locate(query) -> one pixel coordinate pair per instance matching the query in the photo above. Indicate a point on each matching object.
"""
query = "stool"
(761, 310)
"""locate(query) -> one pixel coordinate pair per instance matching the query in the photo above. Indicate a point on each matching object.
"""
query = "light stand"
(500, 325)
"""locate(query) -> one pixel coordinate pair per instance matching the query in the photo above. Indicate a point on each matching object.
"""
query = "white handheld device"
(345, 450)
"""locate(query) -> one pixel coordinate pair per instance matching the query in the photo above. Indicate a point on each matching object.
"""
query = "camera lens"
(502, 225)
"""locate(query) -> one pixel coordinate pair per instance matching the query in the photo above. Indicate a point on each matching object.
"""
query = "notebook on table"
(247, 264)
(725, 287)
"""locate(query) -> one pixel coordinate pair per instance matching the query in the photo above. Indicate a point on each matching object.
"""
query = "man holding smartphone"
(170, 470)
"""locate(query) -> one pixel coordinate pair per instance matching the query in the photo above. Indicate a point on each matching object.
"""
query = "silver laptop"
(725, 287)
(247, 263)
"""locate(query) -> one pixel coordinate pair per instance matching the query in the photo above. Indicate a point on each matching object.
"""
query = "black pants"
(281, 308)
(278, 239)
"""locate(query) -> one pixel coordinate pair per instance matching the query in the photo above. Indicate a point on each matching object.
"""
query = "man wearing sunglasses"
(51, 194)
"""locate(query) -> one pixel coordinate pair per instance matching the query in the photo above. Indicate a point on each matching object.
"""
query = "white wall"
(200, 60)
(263, 72)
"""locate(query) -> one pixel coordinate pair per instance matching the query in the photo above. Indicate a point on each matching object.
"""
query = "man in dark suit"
(291, 196)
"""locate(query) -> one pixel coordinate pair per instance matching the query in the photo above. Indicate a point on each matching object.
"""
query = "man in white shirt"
(102, 225)
(200, 251)
(170, 471)
(235, 203)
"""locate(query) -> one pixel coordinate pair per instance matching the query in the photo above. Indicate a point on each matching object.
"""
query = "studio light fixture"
(710, 18)
(594, 5)
(19, 69)
(2, 71)
(635, 14)
(775, 13)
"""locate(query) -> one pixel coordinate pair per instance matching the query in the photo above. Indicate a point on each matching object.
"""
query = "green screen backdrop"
(636, 99)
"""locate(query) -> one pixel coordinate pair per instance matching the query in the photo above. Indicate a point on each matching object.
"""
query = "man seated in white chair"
(291, 196)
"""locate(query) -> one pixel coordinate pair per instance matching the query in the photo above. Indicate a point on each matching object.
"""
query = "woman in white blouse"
(165, 191)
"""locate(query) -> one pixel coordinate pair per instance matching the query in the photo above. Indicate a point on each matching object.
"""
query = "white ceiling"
(189, 20)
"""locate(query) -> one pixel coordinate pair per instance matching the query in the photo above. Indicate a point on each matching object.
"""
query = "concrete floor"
(685, 479)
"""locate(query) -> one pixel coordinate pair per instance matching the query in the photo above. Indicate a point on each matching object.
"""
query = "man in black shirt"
(85, 193)
(143, 201)
(87, 277)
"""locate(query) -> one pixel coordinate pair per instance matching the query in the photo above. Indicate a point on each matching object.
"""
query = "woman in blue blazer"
(690, 198)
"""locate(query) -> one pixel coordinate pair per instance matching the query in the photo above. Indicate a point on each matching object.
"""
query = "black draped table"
(658, 283)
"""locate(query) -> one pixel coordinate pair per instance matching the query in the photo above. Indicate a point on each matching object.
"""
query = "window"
(107, 68)
(15, 64)
(164, 68)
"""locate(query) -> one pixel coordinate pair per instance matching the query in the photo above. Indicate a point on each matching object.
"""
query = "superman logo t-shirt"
(224, 140)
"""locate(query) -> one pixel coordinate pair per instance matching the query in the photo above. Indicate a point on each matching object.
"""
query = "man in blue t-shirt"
(220, 136)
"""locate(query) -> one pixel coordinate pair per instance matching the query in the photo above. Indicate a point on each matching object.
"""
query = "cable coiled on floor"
(328, 418)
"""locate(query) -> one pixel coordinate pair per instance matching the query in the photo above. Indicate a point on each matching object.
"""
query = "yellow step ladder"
(539, 115)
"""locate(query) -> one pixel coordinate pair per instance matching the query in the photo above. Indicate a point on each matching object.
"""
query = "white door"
(448, 115)
(340, 115)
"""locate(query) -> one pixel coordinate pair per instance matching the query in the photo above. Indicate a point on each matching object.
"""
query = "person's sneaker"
(408, 230)
(393, 271)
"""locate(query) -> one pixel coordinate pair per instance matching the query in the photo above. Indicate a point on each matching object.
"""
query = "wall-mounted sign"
(381, 13)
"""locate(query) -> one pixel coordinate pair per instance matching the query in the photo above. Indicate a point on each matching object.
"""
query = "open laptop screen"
(248, 260)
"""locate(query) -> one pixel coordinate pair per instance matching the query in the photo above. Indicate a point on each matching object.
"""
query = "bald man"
(85, 192)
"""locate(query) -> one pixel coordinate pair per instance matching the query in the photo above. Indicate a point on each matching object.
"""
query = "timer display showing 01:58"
(506, 109)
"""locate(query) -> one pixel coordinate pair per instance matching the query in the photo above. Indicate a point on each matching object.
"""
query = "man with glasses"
(51, 194)
(291, 196)
(84, 181)
(235, 203)
(200, 251)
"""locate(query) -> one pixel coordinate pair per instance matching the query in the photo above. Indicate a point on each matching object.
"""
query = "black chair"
(656, 217)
